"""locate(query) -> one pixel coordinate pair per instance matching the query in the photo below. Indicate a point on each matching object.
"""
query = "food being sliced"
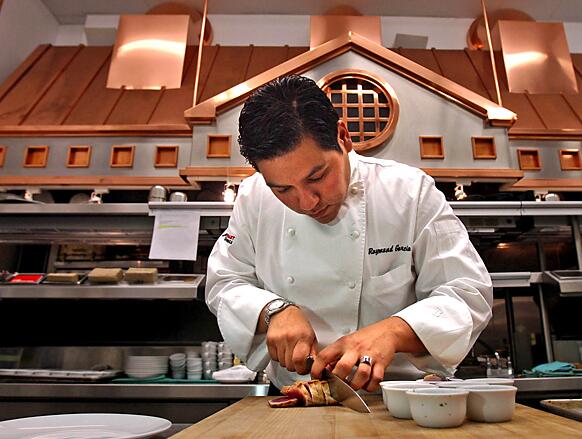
(305, 393)
(284, 401)
(434, 377)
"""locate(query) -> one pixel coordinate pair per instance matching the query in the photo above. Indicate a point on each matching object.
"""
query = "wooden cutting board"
(252, 418)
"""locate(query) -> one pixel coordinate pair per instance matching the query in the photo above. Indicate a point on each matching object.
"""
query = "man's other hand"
(291, 339)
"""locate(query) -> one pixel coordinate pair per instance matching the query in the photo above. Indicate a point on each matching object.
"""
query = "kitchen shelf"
(517, 208)
(112, 224)
(519, 279)
(215, 208)
(121, 290)
(148, 392)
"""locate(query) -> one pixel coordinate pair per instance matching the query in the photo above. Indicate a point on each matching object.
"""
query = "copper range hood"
(149, 52)
(536, 57)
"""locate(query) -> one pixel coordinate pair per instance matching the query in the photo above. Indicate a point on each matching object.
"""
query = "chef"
(356, 261)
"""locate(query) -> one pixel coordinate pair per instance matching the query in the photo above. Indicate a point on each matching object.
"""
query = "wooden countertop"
(253, 418)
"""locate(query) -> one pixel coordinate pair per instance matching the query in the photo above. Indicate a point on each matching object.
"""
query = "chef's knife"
(341, 391)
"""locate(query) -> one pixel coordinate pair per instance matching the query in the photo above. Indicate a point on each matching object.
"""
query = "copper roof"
(61, 91)
(538, 115)
(205, 112)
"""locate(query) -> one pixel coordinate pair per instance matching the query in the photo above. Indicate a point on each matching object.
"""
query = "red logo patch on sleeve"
(228, 237)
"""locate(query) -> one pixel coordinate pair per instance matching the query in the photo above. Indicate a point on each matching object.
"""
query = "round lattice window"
(366, 103)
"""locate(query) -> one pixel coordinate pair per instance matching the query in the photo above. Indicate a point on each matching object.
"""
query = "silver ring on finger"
(366, 360)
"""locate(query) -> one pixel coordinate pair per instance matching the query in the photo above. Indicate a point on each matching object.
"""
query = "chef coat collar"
(355, 177)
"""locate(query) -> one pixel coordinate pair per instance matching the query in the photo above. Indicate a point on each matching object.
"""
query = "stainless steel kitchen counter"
(549, 385)
(131, 391)
(213, 391)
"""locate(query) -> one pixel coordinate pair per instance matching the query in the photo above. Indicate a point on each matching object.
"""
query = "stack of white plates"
(146, 366)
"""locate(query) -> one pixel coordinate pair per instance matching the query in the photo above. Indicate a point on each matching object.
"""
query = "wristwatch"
(275, 306)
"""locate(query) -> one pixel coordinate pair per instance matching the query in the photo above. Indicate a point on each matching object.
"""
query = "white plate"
(84, 426)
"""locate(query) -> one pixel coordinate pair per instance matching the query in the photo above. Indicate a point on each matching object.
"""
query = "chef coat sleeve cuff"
(444, 326)
(237, 315)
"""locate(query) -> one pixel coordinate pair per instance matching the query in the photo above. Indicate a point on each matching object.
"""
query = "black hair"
(277, 116)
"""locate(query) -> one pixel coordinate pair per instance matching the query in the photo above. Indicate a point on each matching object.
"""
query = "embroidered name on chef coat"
(228, 237)
(393, 248)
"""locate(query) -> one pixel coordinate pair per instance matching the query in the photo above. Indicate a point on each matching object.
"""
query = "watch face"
(276, 304)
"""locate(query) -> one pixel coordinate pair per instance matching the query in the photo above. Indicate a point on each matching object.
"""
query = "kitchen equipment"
(62, 278)
(179, 197)
(146, 366)
(491, 403)
(568, 281)
(341, 391)
(96, 198)
(570, 408)
(438, 407)
(252, 417)
(178, 365)
(26, 278)
(84, 425)
(4, 275)
(158, 193)
(54, 375)
(396, 400)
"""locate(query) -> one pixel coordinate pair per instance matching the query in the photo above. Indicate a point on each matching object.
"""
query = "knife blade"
(341, 391)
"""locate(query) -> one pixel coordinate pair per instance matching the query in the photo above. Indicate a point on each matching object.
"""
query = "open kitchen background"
(66, 139)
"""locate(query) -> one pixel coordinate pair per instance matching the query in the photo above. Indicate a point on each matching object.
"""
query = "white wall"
(24, 24)
(442, 33)
(277, 30)
(71, 35)
(293, 30)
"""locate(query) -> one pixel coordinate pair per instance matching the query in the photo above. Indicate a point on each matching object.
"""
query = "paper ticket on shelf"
(175, 235)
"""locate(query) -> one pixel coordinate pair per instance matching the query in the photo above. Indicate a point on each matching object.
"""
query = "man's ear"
(343, 136)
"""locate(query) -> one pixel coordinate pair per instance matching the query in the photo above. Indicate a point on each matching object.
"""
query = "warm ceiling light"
(149, 52)
(514, 60)
(229, 193)
(460, 192)
(171, 47)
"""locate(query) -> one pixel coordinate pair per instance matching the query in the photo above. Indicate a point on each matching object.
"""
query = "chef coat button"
(290, 279)
(355, 234)
(351, 285)
(291, 232)
(354, 190)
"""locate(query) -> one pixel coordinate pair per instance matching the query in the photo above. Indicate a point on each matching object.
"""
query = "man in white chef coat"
(356, 261)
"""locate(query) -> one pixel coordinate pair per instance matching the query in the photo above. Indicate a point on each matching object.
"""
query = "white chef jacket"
(395, 249)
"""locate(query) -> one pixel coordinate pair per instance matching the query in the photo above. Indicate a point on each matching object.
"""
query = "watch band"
(271, 312)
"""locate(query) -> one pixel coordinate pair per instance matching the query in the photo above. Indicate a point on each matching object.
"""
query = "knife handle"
(309, 363)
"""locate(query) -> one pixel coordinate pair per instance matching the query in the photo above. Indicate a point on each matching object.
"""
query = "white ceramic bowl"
(491, 403)
(395, 399)
(438, 407)
(195, 376)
